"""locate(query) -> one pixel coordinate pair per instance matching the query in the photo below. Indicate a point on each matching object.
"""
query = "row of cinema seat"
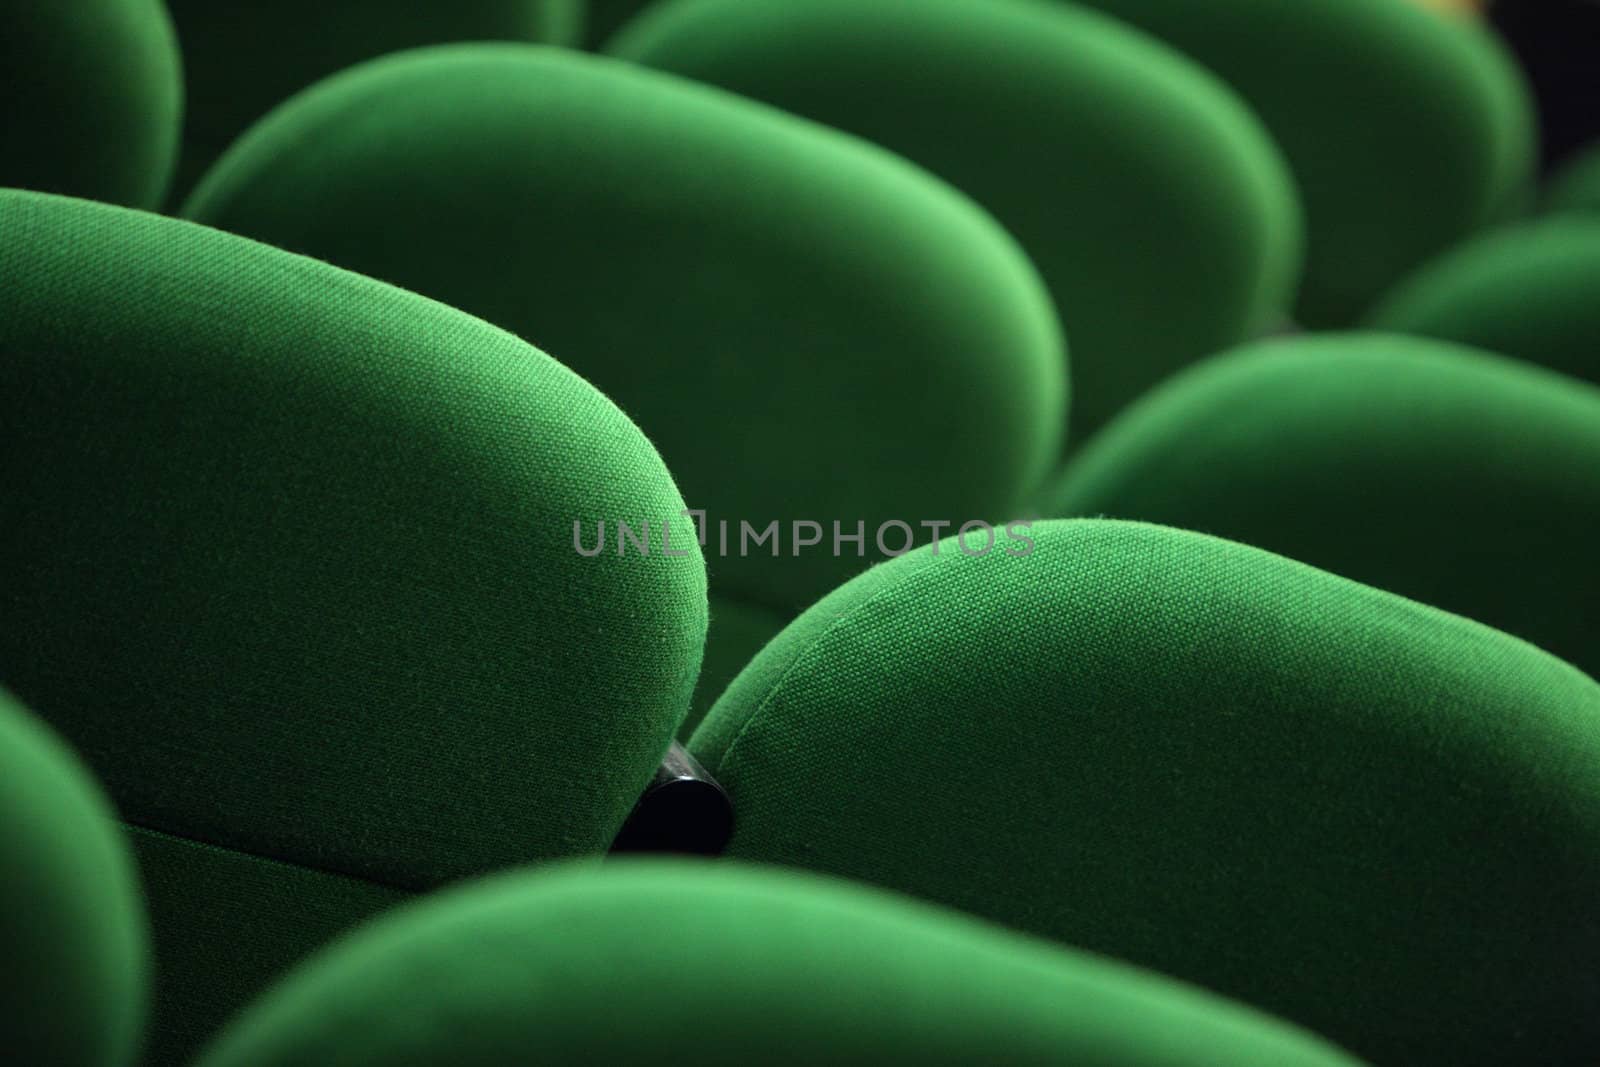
(1226, 378)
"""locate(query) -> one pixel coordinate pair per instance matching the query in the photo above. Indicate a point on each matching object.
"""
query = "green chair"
(1156, 208)
(724, 965)
(1575, 189)
(287, 553)
(72, 932)
(91, 98)
(244, 59)
(1531, 291)
(1406, 131)
(1461, 479)
(1375, 819)
(808, 328)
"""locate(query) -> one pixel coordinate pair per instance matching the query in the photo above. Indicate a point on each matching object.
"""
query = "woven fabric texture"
(806, 327)
(737, 632)
(1371, 817)
(1462, 479)
(73, 940)
(589, 965)
(1157, 210)
(1405, 131)
(288, 554)
(93, 98)
(229, 924)
(1531, 291)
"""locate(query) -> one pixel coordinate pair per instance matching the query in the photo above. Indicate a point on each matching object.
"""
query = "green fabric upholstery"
(738, 631)
(1371, 817)
(243, 59)
(228, 924)
(724, 965)
(1462, 479)
(1405, 131)
(73, 941)
(1153, 203)
(287, 554)
(92, 94)
(1532, 292)
(807, 327)
(1576, 188)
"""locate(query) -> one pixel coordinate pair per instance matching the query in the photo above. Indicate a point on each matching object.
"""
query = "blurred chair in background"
(1406, 132)
(91, 99)
(761, 966)
(1465, 480)
(1529, 291)
(75, 982)
(244, 59)
(1154, 205)
(810, 329)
